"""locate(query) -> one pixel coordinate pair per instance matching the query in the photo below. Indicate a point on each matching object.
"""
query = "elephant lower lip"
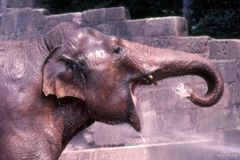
(133, 118)
(134, 98)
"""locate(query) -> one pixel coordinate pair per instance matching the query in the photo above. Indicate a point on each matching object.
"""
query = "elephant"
(56, 85)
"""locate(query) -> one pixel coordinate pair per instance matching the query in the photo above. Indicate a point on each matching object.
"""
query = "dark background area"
(216, 18)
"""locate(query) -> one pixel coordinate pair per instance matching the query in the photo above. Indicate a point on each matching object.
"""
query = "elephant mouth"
(133, 88)
(133, 118)
(143, 80)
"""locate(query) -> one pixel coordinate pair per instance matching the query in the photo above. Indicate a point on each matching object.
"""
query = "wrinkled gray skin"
(55, 86)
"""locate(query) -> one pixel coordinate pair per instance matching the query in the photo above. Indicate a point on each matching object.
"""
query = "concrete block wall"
(26, 22)
(22, 23)
(165, 115)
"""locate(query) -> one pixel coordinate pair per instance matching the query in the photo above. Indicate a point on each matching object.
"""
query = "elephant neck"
(76, 117)
(43, 47)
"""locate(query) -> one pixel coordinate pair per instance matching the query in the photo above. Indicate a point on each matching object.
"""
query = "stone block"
(29, 22)
(228, 70)
(187, 117)
(20, 3)
(98, 16)
(214, 119)
(178, 120)
(186, 44)
(149, 120)
(224, 49)
(82, 140)
(231, 137)
(22, 21)
(116, 14)
(112, 135)
(7, 25)
(94, 17)
(192, 44)
(158, 99)
(1, 23)
(167, 26)
(132, 28)
(234, 90)
(126, 28)
(37, 21)
(158, 42)
(53, 20)
(109, 28)
(1, 6)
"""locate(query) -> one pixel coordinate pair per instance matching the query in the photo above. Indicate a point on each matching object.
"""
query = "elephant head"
(103, 71)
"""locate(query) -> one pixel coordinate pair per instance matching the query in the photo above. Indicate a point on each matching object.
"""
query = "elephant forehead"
(98, 54)
(92, 36)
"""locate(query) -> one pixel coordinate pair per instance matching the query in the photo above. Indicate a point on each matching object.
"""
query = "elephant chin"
(134, 120)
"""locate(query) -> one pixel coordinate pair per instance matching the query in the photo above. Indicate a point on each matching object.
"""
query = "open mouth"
(133, 118)
(144, 80)
(133, 88)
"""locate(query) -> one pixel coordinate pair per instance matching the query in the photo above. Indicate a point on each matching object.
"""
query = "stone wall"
(26, 22)
(165, 115)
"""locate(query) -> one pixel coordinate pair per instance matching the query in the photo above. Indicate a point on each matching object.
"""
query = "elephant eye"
(117, 50)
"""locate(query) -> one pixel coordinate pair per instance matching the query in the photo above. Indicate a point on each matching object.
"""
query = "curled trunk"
(159, 64)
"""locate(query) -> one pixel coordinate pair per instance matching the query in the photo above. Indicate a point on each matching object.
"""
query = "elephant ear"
(63, 77)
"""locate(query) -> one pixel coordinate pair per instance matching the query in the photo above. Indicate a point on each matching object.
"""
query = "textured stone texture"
(20, 3)
(224, 49)
(53, 20)
(22, 23)
(234, 89)
(228, 70)
(28, 22)
(1, 6)
(231, 137)
(167, 26)
(7, 27)
(98, 16)
(187, 44)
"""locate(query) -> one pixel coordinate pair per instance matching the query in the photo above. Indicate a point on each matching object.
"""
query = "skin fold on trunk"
(159, 64)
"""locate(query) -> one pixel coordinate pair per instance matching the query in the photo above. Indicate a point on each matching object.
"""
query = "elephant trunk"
(159, 64)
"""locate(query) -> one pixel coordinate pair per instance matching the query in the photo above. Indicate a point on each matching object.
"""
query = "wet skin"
(56, 85)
